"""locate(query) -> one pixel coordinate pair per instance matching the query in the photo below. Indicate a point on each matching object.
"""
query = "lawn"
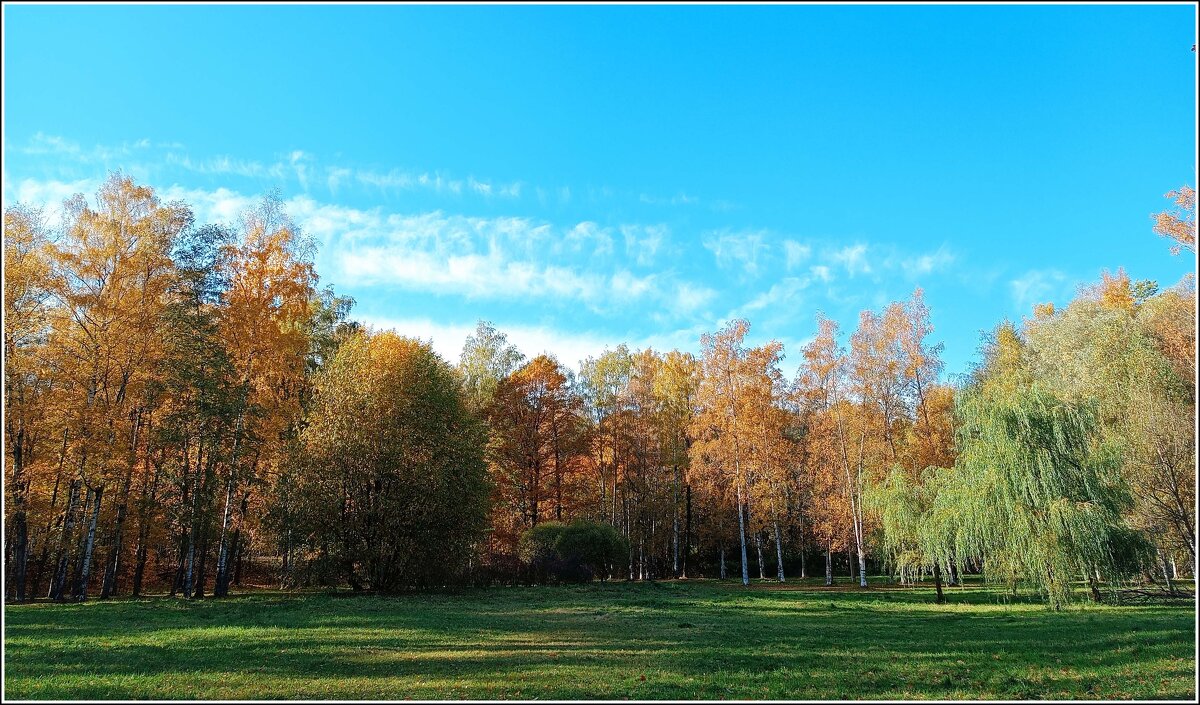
(688, 640)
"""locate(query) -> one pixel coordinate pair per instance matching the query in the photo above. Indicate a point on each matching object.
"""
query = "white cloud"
(853, 258)
(642, 243)
(298, 160)
(927, 263)
(691, 297)
(587, 237)
(679, 199)
(570, 348)
(821, 272)
(220, 206)
(336, 176)
(785, 293)
(1037, 286)
(49, 193)
(480, 187)
(737, 249)
(795, 253)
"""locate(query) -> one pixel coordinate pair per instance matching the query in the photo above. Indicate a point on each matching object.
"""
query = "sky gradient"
(584, 176)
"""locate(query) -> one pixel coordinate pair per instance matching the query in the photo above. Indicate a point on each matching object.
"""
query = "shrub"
(571, 553)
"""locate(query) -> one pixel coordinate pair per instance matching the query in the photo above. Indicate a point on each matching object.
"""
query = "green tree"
(1046, 497)
(391, 472)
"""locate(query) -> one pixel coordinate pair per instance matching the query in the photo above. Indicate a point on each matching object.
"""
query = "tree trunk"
(953, 575)
(1093, 578)
(239, 551)
(687, 531)
(197, 518)
(287, 559)
(189, 571)
(222, 585)
(675, 525)
(44, 557)
(77, 572)
(1166, 573)
(58, 582)
(239, 548)
(779, 551)
(742, 536)
(829, 565)
(21, 531)
(97, 495)
(937, 583)
(21, 540)
(201, 569)
(141, 553)
(113, 564)
(723, 562)
(762, 567)
(179, 584)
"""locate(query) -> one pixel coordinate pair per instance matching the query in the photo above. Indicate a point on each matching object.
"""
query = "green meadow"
(686, 639)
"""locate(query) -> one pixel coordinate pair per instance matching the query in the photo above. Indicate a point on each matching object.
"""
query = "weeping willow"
(920, 534)
(1036, 493)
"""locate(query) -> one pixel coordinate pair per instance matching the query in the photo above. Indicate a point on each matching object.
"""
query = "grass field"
(697, 639)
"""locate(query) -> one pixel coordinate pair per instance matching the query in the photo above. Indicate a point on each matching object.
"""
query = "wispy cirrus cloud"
(795, 254)
(1038, 286)
(852, 258)
(739, 250)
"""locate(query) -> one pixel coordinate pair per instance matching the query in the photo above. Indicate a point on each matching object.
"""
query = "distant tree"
(537, 435)
(487, 357)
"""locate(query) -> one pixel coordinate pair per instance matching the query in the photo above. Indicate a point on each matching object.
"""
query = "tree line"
(187, 409)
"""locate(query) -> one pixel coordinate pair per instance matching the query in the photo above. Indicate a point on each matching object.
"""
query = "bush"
(572, 553)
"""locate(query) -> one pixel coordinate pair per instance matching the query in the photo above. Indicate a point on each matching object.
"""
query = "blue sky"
(589, 175)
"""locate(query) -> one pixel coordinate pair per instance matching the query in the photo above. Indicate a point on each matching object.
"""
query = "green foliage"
(919, 532)
(574, 552)
(389, 479)
(487, 357)
(1042, 500)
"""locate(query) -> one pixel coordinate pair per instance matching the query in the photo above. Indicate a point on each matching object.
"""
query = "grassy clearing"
(692, 640)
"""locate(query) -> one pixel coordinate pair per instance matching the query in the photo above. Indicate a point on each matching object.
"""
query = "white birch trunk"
(742, 537)
(97, 493)
(779, 551)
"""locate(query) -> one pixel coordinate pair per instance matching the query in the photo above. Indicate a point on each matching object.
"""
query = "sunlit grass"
(696, 639)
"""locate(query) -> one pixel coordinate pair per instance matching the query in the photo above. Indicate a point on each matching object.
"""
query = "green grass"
(688, 640)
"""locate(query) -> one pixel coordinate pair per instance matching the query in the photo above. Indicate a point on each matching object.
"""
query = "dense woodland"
(187, 410)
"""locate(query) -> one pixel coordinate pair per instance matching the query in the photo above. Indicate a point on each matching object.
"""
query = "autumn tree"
(736, 391)
(537, 438)
(674, 388)
(391, 475)
(26, 387)
(1179, 223)
(111, 271)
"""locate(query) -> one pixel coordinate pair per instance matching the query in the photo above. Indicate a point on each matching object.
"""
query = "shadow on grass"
(695, 639)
